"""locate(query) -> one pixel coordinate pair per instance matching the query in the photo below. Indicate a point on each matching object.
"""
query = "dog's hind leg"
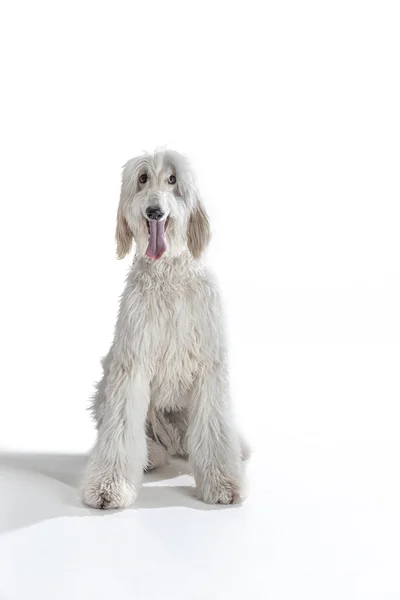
(179, 420)
(168, 428)
(245, 449)
(157, 455)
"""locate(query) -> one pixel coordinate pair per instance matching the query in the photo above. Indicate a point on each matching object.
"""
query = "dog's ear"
(123, 233)
(198, 233)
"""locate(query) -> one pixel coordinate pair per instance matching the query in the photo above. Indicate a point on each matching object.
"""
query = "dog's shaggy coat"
(165, 387)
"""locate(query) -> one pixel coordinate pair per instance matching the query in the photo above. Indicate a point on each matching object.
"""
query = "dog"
(165, 388)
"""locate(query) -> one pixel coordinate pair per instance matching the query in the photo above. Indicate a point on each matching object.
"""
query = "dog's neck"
(179, 264)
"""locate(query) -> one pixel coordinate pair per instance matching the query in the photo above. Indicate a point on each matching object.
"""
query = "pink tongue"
(157, 245)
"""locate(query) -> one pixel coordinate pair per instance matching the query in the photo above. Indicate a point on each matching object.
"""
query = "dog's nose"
(155, 212)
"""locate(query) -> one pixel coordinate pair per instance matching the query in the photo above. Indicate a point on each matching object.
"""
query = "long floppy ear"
(123, 233)
(198, 233)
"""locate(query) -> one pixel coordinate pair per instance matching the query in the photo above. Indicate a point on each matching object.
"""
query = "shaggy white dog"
(165, 388)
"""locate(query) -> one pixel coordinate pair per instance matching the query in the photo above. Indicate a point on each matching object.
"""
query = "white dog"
(165, 388)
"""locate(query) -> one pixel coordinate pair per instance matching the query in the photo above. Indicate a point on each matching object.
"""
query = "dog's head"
(160, 207)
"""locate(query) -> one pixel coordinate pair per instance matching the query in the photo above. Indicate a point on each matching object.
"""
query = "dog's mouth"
(157, 244)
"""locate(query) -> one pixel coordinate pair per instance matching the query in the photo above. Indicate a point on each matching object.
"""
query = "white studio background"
(290, 114)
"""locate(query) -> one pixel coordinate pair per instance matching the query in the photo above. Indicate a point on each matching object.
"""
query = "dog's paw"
(109, 493)
(217, 489)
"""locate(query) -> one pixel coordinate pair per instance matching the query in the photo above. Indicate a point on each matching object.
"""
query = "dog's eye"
(143, 178)
(172, 179)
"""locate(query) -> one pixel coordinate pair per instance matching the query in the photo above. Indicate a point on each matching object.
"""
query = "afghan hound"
(165, 388)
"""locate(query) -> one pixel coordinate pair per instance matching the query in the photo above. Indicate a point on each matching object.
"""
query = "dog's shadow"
(38, 487)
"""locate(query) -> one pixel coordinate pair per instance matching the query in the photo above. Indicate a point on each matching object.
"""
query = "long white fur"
(165, 386)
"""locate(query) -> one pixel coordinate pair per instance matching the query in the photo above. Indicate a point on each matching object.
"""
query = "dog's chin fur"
(164, 389)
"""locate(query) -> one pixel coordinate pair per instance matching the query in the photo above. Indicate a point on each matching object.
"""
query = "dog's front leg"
(213, 442)
(115, 467)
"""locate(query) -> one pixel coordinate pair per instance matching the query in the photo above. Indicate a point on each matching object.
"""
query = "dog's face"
(160, 208)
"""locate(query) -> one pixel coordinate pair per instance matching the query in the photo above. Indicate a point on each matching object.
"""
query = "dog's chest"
(171, 335)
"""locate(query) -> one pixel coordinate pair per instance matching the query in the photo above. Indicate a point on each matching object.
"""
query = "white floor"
(322, 522)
